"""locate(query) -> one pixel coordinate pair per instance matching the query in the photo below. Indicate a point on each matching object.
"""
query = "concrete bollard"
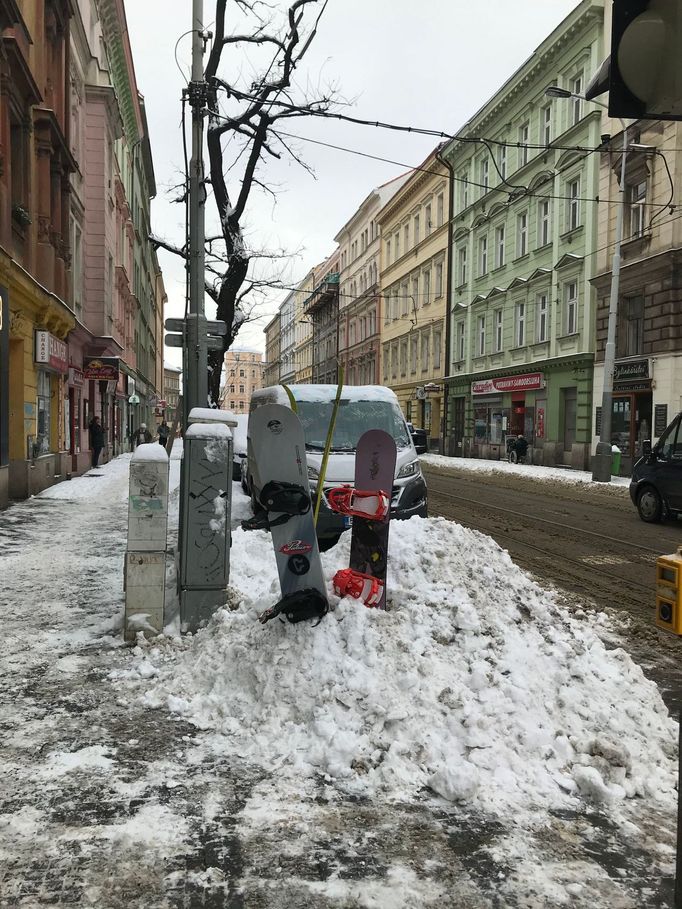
(145, 561)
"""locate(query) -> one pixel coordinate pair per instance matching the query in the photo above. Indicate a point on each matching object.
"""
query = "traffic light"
(644, 72)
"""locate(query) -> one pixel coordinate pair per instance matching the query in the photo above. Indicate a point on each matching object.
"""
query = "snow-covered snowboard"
(278, 444)
(369, 503)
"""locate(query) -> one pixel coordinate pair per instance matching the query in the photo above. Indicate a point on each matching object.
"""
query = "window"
(386, 364)
(520, 324)
(462, 265)
(406, 237)
(416, 229)
(502, 161)
(241, 405)
(42, 441)
(630, 327)
(541, 318)
(396, 245)
(498, 330)
(544, 226)
(403, 357)
(425, 351)
(413, 353)
(573, 194)
(427, 287)
(388, 252)
(394, 360)
(405, 300)
(241, 389)
(465, 190)
(439, 280)
(372, 322)
(436, 348)
(499, 246)
(482, 255)
(415, 291)
(19, 159)
(231, 389)
(439, 209)
(242, 374)
(577, 103)
(546, 125)
(77, 268)
(484, 176)
(523, 144)
(427, 220)
(481, 335)
(636, 207)
(522, 234)
(460, 340)
(571, 323)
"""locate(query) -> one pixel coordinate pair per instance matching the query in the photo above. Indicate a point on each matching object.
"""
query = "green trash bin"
(615, 460)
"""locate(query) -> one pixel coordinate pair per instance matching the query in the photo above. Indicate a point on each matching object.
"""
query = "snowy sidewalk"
(475, 746)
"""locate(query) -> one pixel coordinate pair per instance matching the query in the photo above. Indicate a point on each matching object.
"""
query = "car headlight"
(411, 469)
(313, 474)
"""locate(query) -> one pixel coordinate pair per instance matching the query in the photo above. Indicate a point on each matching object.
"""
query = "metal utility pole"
(196, 359)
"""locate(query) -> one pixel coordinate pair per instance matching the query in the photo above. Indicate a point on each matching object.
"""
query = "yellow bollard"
(669, 592)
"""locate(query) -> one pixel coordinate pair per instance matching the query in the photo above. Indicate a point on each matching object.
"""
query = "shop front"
(102, 375)
(549, 406)
(632, 419)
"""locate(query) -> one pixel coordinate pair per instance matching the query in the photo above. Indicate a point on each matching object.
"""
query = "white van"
(362, 407)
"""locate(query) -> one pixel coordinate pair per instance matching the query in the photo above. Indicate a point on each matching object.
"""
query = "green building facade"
(524, 235)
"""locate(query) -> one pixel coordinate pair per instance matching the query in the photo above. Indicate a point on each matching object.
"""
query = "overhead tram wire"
(526, 193)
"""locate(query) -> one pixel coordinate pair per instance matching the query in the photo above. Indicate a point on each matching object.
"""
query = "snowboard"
(370, 506)
(278, 445)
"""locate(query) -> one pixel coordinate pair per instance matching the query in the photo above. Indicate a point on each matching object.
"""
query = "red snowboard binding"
(350, 583)
(373, 505)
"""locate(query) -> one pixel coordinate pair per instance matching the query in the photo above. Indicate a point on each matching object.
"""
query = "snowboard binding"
(372, 505)
(360, 586)
(298, 606)
(287, 498)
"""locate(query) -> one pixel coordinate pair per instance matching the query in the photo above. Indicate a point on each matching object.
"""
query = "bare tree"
(245, 110)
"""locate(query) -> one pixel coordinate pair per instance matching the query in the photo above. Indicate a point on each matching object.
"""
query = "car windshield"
(353, 419)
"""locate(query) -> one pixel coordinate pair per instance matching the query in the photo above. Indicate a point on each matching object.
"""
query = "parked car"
(361, 408)
(420, 439)
(656, 484)
(239, 444)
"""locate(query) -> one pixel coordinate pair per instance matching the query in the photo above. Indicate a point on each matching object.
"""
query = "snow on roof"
(149, 451)
(476, 683)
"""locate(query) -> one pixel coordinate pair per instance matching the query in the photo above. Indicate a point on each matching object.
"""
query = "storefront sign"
(103, 368)
(76, 376)
(528, 382)
(633, 369)
(51, 352)
(660, 419)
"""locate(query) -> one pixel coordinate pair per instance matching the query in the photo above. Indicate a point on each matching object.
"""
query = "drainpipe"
(448, 304)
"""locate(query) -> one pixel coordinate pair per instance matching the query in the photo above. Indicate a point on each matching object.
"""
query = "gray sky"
(430, 64)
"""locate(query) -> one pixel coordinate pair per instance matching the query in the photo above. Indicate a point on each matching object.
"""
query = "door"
(457, 425)
(668, 473)
(570, 408)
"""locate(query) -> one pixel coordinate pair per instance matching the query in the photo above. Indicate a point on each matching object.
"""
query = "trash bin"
(615, 460)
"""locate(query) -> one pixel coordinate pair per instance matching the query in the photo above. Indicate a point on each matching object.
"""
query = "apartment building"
(413, 280)
(524, 236)
(273, 340)
(243, 375)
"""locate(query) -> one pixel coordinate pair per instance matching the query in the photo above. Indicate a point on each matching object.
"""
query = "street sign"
(173, 340)
(215, 328)
(175, 325)
(214, 343)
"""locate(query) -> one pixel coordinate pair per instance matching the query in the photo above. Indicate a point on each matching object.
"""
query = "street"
(587, 540)
(174, 774)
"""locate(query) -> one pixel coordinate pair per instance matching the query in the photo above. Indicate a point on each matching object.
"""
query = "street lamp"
(601, 465)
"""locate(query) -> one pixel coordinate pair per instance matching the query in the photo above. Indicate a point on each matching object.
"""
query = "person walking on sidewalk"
(96, 439)
(163, 432)
(141, 435)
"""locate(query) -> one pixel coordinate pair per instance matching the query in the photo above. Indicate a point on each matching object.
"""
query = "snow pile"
(476, 683)
(527, 471)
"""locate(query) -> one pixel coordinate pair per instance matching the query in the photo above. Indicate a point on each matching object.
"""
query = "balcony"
(326, 292)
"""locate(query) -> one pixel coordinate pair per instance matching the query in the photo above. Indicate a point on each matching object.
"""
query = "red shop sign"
(531, 381)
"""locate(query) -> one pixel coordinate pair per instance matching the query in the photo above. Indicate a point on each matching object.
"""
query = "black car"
(419, 438)
(656, 485)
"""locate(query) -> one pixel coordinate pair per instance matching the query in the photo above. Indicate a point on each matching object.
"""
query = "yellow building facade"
(414, 282)
(303, 354)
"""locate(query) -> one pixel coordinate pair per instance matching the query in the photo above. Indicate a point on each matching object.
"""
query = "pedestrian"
(521, 447)
(141, 435)
(163, 432)
(96, 439)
